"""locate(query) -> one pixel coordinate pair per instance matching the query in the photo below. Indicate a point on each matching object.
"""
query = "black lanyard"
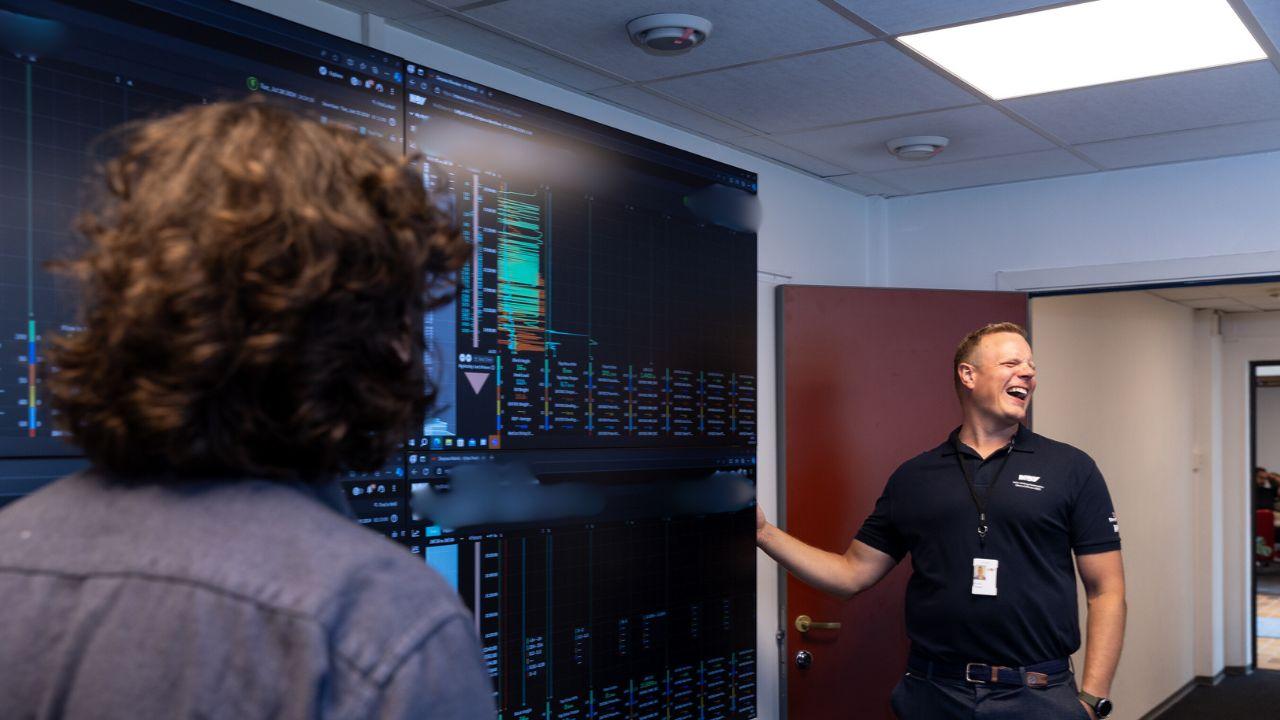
(982, 503)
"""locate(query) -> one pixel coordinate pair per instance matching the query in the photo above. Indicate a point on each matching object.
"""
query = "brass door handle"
(804, 624)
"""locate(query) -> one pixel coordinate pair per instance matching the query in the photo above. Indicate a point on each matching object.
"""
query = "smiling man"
(991, 518)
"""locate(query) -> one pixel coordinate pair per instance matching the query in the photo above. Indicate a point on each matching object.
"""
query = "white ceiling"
(1251, 297)
(821, 84)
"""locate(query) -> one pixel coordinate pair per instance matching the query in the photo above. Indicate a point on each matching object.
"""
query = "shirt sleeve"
(1094, 527)
(879, 531)
(444, 679)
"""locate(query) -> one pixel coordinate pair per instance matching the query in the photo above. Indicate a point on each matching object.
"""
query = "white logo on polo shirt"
(1115, 524)
(1028, 482)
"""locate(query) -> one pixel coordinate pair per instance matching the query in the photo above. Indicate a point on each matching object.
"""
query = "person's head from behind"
(994, 373)
(253, 287)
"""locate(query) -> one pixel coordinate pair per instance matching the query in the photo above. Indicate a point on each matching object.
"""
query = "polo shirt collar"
(1023, 441)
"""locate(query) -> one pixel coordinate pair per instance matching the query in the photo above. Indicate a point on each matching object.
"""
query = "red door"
(866, 380)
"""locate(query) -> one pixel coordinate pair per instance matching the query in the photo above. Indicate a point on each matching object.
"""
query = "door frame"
(1254, 365)
(1251, 400)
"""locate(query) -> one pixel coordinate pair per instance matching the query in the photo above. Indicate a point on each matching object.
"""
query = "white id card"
(984, 576)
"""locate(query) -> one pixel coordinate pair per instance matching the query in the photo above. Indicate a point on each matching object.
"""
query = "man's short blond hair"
(964, 351)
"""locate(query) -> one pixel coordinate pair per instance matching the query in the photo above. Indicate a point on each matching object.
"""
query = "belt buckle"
(968, 672)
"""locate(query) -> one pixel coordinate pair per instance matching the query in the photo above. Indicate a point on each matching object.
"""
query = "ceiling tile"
(1178, 294)
(1196, 144)
(742, 31)
(665, 111)
(389, 9)
(988, 171)
(902, 16)
(828, 88)
(1253, 293)
(977, 131)
(489, 45)
(782, 153)
(867, 185)
(1237, 93)
(1224, 304)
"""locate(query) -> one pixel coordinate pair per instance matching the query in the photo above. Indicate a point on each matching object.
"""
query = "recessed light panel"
(1089, 44)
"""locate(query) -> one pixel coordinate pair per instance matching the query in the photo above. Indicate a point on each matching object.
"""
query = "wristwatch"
(1101, 706)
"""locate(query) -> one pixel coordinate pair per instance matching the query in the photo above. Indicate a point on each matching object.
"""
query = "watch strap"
(1092, 701)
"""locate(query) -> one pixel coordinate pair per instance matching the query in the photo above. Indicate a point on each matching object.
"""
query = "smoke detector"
(916, 147)
(669, 33)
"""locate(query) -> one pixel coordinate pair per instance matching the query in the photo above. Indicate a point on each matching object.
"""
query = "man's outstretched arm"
(860, 567)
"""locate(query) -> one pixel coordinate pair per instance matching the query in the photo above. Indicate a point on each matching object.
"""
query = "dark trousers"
(920, 698)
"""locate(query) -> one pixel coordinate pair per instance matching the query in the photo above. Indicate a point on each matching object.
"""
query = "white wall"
(1130, 354)
(1268, 428)
(1118, 225)
(812, 232)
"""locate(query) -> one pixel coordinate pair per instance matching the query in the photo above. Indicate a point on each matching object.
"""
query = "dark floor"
(1268, 580)
(1246, 697)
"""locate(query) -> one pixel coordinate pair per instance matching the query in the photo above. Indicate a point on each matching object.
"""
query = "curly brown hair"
(253, 288)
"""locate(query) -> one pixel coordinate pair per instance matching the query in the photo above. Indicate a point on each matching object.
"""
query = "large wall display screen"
(586, 480)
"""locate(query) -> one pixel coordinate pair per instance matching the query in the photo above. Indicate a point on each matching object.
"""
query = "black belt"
(1036, 675)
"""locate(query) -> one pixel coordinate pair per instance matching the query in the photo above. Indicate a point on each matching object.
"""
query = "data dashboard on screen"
(586, 479)
(603, 306)
(70, 71)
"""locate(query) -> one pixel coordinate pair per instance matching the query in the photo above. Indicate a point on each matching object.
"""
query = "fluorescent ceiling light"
(1089, 44)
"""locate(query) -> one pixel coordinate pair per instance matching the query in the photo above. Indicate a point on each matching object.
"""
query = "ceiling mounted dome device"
(916, 147)
(669, 33)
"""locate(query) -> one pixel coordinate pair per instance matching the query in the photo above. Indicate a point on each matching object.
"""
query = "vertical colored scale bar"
(549, 657)
(476, 294)
(498, 409)
(31, 263)
(546, 394)
(702, 691)
(31, 378)
(702, 402)
(546, 242)
(667, 386)
(668, 693)
(476, 587)
(733, 683)
(524, 629)
(733, 408)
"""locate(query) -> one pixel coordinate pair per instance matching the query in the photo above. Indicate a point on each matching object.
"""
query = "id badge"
(984, 576)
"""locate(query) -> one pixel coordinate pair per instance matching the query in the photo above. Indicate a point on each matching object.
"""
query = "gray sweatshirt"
(237, 599)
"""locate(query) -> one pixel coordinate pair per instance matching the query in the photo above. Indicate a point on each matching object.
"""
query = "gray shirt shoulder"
(235, 599)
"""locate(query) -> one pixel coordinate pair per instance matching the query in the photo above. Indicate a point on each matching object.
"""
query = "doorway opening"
(1264, 457)
(1248, 317)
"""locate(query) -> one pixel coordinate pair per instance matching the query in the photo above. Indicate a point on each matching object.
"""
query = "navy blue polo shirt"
(1050, 501)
